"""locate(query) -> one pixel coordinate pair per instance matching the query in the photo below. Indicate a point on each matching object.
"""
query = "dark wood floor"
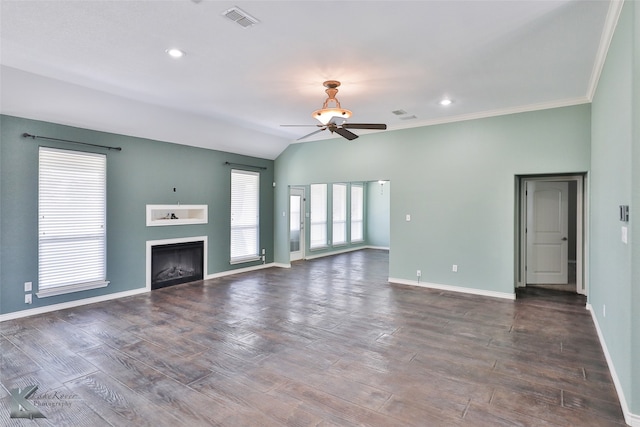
(326, 343)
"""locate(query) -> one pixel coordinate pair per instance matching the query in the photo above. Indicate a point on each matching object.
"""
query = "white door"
(547, 224)
(296, 224)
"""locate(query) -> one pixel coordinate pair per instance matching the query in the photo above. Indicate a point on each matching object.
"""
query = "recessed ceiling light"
(446, 102)
(175, 53)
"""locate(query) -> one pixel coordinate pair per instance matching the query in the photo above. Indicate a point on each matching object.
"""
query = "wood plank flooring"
(326, 343)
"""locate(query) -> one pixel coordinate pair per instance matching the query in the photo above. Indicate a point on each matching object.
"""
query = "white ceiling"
(102, 64)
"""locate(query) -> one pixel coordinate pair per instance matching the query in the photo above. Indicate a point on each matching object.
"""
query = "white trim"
(494, 113)
(450, 288)
(151, 243)
(67, 289)
(582, 235)
(630, 418)
(102, 298)
(69, 304)
(281, 265)
(251, 258)
(342, 251)
(187, 214)
(610, 23)
(238, 270)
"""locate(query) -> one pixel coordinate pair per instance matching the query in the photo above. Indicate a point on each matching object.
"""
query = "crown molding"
(611, 21)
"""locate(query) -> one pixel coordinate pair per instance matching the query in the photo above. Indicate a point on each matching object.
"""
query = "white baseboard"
(70, 304)
(629, 417)
(85, 301)
(481, 292)
(281, 265)
(342, 251)
(382, 248)
(239, 270)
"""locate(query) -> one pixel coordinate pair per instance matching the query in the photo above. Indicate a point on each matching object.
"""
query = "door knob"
(564, 238)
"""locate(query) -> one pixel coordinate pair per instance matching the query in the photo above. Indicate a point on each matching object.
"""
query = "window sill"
(67, 289)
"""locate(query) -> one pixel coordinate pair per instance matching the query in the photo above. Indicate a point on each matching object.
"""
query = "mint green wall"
(144, 172)
(378, 211)
(455, 180)
(615, 180)
(635, 205)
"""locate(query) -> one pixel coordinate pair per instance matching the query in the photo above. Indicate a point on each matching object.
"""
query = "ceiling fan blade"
(379, 126)
(312, 133)
(345, 133)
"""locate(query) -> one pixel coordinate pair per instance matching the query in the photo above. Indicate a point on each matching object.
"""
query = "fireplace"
(176, 262)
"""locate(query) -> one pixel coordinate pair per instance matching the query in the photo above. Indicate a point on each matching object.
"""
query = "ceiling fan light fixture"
(325, 115)
(334, 119)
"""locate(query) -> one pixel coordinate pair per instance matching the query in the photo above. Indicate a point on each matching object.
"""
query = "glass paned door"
(296, 224)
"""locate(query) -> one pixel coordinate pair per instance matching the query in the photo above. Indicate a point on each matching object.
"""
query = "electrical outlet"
(454, 268)
(418, 273)
(28, 286)
(27, 298)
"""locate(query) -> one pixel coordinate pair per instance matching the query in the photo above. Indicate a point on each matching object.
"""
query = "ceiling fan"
(335, 119)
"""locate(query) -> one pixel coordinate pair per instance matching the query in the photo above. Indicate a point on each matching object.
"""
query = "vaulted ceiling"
(103, 64)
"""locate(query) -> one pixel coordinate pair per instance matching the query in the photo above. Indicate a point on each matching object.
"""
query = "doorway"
(551, 237)
(296, 223)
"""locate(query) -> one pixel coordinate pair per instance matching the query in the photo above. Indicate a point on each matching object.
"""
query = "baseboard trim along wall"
(629, 417)
(342, 251)
(481, 292)
(70, 304)
(239, 270)
(85, 301)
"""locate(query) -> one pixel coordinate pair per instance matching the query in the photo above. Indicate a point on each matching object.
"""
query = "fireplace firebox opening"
(176, 263)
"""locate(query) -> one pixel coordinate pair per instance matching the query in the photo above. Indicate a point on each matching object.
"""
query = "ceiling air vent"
(240, 17)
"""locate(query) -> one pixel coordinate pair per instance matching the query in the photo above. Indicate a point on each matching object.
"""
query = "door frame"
(302, 192)
(581, 180)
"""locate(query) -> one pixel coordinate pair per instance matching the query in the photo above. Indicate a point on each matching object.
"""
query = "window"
(71, 221)
(339, 214)
(357, 209)
(318, 233)
(245, 218)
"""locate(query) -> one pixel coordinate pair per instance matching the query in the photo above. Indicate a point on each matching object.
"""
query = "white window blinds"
(357, 210)
(318, 232)
(245, 216)
(71, 221)
(339, 214)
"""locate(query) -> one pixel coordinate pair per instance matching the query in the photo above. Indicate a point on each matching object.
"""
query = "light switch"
(624, 234)
(408, 217)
